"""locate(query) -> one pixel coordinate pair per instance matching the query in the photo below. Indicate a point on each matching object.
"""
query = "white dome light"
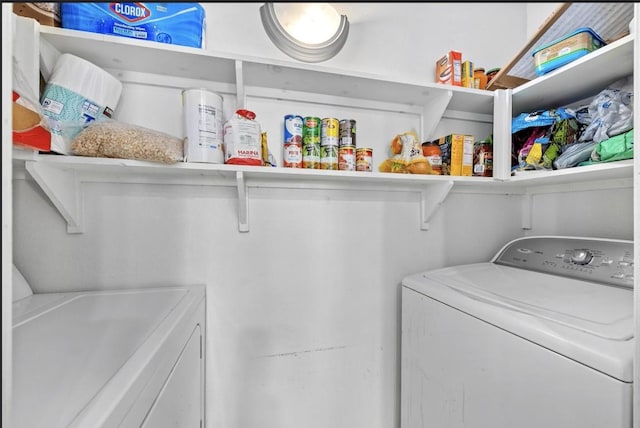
(310, 32)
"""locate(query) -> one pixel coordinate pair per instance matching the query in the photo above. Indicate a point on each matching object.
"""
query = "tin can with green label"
(329, 157)
(311, 142)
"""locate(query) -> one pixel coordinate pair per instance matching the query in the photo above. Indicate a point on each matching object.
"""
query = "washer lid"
(588, 322)
(68, 346)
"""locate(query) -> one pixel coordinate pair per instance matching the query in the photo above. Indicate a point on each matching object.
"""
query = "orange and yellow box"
(449, 69)
(457, 154)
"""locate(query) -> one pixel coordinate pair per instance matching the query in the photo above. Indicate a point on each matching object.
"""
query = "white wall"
(394, 39)
(303, 310)
(537, 13)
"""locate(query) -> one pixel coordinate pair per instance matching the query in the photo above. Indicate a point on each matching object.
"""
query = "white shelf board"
(588, 174)
(134, 171)
(60, 177)
(578, 80)
(121, 53)
(362, 86)
(112, 52)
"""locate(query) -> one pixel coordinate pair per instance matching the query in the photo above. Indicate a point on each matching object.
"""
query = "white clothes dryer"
(121, 358)
(540, 336)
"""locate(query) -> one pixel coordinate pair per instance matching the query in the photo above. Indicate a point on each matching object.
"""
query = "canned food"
(293, 128)
(329, 157)
(311, 142)
(347, 158)
(311, 130)
(329, 132)
(364, 159)
(311, 155)
(347, 132)
(292, 150)
(292, 155)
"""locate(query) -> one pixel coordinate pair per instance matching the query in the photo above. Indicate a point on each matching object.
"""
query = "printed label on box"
(449, 69)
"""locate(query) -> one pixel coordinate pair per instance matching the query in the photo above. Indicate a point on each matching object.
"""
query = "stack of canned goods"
(329, 143)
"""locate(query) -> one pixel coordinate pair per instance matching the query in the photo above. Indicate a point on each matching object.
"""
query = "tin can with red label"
(292, 149)
(347, 158)
(364, 159)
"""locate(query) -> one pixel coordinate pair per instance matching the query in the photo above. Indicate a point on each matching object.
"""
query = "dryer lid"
(586, 321)
(70, 345)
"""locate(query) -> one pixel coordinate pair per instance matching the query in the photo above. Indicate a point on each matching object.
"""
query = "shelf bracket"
(243, 203)
(63, 189)
(433, 112)
(430, 201)
(240, 88)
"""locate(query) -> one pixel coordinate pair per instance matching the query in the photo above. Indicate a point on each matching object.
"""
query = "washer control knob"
(581, 257)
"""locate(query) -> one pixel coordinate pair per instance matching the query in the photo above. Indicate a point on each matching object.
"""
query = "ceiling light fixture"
(309, 32)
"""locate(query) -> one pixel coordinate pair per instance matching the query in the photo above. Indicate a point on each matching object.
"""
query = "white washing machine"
(540, 336)
(124, 358)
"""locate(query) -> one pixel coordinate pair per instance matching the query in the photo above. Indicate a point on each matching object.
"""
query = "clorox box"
(174, 23)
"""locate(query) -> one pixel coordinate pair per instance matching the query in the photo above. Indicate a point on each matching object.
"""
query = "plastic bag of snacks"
(406, 156)
(29, 124)
(113, 139)
(242, 139)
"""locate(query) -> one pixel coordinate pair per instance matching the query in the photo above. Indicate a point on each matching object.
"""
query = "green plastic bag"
(612, 149)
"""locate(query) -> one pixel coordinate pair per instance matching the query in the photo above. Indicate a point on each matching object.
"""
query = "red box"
(449, 69)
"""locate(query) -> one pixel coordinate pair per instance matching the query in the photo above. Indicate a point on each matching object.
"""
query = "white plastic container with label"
(203, 121)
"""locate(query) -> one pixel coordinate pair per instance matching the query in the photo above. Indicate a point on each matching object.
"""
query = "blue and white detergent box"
(173, 23)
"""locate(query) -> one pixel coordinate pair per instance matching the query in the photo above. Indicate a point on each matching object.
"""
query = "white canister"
(202, 126)
(77, 93)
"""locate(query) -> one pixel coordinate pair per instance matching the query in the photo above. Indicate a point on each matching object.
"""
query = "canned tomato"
(292, 150)
(329, 132)
(347, 158)
(364, 159)
(292, 155)
(329, 157)
(347, 132)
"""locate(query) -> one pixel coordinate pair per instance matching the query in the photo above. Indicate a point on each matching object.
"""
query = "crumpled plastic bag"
(540, 137)
(406, 155)
(615, 148)
(110, 138)
(573, 154)
(29, 124)
(611, 112)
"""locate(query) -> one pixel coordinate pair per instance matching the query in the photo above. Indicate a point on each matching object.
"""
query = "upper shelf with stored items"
(111, 52)
(61, 176)
(577, 80)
